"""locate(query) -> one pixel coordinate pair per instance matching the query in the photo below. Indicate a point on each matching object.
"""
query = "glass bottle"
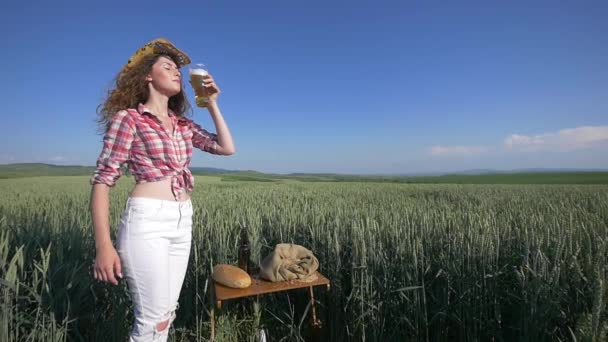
(244, 250)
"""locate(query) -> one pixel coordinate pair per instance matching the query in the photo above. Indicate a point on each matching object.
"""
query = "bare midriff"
(159, 190)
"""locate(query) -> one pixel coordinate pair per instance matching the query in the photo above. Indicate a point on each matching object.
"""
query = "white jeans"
(153, 243)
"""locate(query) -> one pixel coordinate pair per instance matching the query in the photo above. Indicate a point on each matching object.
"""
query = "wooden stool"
(220, 293)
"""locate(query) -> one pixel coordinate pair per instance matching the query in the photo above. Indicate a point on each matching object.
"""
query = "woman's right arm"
(116, 148)
(107, 262)
(100, 212)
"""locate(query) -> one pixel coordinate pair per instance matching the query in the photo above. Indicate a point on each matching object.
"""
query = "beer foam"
(201, 72)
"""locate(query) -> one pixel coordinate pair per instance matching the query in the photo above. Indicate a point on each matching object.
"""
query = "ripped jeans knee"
(163, 326)
(144, 330)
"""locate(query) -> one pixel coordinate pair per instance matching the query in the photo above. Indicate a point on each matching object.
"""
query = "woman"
(145, 127)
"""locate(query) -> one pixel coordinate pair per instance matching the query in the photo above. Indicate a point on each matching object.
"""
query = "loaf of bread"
(231, 276)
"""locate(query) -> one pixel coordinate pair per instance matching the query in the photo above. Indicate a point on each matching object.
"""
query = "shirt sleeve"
(116, 147)
(202, 139)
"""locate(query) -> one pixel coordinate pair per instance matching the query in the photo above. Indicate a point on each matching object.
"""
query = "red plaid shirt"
(138, 138)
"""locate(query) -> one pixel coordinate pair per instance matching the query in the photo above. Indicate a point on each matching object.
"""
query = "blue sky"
(328, 86)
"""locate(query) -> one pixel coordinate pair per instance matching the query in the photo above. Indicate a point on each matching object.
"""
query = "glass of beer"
(198, 72)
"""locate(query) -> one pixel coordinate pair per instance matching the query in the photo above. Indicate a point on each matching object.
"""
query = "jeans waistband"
(158, 202)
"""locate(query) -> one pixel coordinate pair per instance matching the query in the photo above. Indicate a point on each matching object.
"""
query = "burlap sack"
(289, 262)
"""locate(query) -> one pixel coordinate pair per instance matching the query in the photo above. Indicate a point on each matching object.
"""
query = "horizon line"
(468, 171)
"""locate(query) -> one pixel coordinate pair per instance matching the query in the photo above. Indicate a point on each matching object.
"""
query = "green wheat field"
(407, 262)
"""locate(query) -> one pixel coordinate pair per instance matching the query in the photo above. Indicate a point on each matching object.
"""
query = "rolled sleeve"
(116, 149)
(202, 139)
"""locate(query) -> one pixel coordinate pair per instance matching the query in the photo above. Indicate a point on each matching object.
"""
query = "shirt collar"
(143, 110)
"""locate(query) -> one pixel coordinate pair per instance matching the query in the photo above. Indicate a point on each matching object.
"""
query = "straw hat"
(157, 46)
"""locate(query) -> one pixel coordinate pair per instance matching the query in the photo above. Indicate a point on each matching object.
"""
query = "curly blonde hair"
(131, 89)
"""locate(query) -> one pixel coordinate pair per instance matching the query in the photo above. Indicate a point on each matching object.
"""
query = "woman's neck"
(158, 104)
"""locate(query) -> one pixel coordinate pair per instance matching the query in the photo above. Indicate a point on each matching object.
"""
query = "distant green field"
(38, 170)
(519, 178)
(514, 178)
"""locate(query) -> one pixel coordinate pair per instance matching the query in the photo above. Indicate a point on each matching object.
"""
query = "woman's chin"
(172, 92)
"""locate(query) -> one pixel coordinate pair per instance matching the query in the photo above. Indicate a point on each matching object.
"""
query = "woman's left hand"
(212, 89)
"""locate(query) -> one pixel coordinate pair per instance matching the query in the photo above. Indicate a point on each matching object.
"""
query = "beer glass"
(198, 72)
